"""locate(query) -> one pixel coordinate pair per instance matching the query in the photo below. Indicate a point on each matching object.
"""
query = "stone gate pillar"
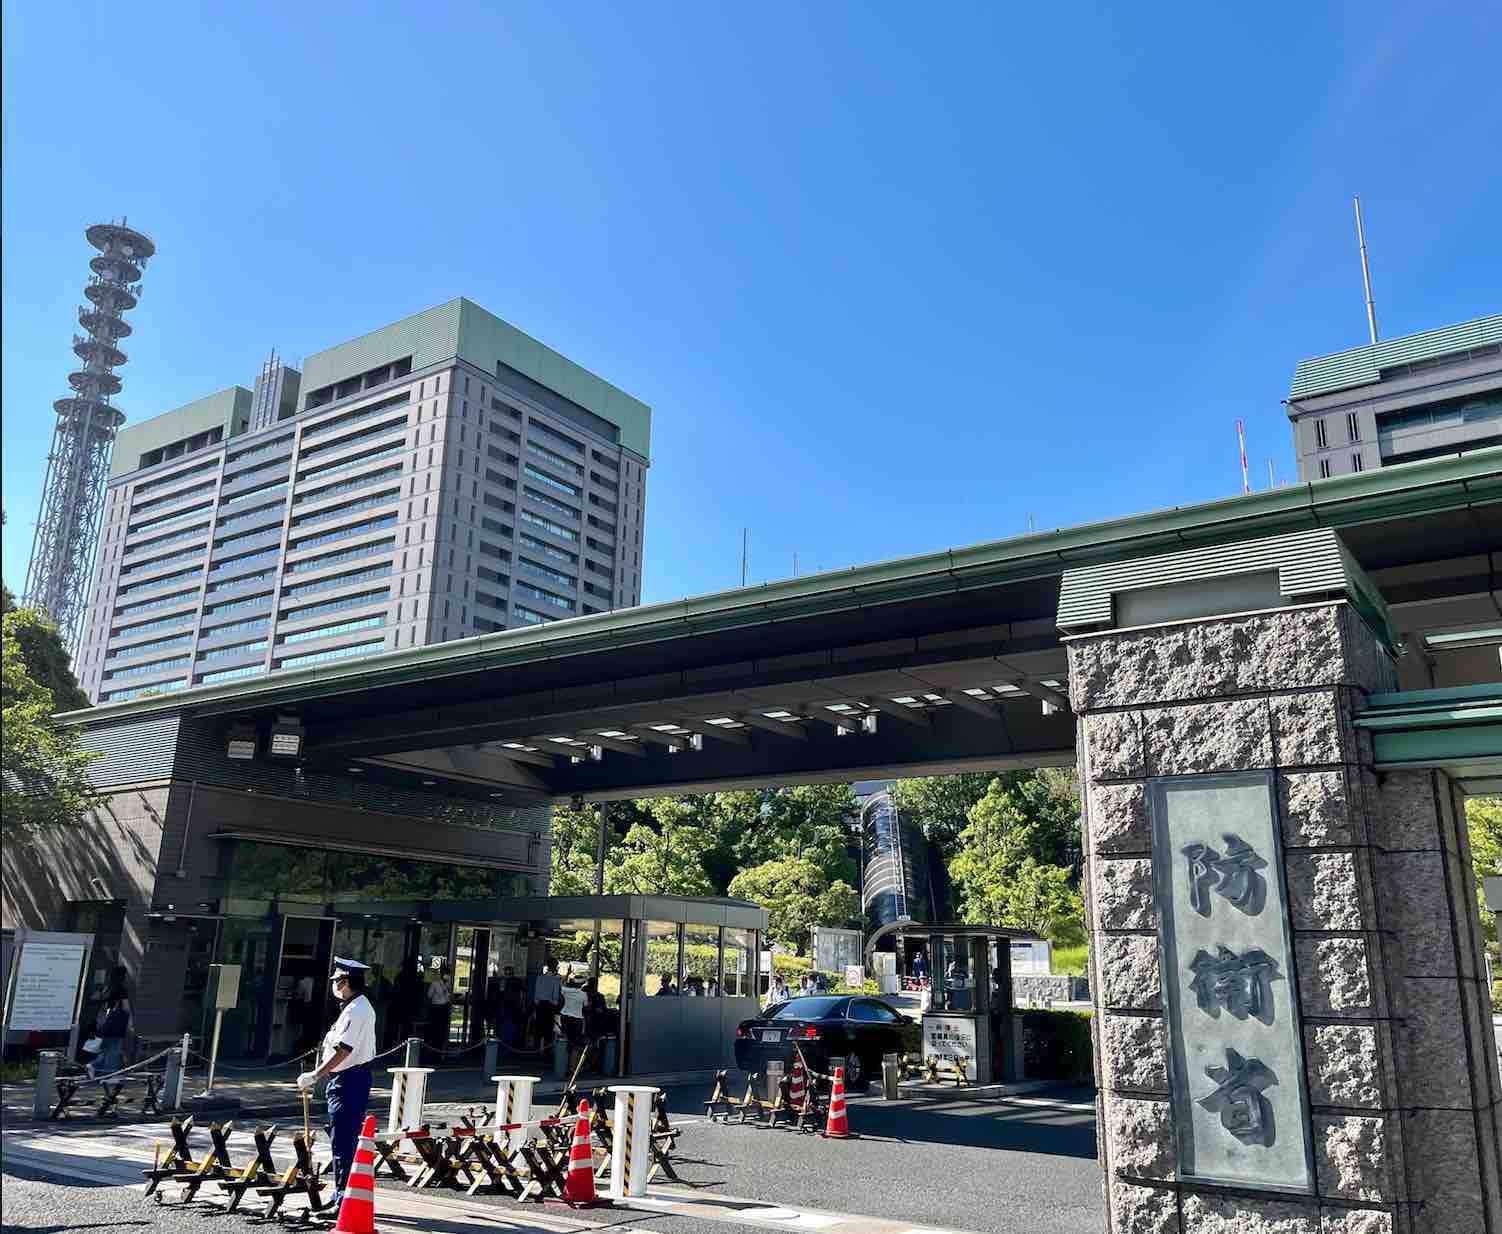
(1292, 1029)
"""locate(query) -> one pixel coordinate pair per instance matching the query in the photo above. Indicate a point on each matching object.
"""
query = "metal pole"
(414, 1052)
(600, 842)
(41, 1098)
(208, 1088)
(1366, 273)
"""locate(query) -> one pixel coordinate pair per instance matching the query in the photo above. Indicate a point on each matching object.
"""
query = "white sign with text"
(46, 992)
(951, 1038)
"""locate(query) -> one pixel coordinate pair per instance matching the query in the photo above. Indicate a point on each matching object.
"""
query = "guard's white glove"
(306, 1080)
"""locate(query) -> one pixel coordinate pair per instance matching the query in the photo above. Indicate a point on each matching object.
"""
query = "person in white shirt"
(547, 995)
(439, 998)
(344, 1058)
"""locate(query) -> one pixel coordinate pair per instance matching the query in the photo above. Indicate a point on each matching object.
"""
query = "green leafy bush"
(1056, 1046)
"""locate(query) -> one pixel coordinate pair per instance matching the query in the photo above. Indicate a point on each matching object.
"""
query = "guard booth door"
(471, 980)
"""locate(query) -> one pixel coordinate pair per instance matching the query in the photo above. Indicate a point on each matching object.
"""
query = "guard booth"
(968, 1018)
(679, 971)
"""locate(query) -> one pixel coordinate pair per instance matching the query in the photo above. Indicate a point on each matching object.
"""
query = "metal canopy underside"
(934, 664)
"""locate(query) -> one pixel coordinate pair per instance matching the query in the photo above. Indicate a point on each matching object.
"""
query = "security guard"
(345, 1057)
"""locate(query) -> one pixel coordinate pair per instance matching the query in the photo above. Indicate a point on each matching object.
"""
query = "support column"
(1385, 978)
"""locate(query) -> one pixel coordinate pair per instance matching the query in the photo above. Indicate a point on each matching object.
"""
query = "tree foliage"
(45, 772)
(46, 659)
(941, 804)
(666, 858)
(1484, 821)
(575, 838)
(797, 897)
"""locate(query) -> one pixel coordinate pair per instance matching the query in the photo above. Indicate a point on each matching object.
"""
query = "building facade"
(1400, 400)
(442, 477)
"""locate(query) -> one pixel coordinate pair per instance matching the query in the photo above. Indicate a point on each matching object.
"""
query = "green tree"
(1484, 821)
(666, 856)
(46, 659)
(575, 836)
(1040, 899)
(45, 772)
(797, 897)
(815, 822)
(941, 804)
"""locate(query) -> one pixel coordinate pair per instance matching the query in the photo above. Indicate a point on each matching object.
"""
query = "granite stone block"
(1413, 905)
(1140, 1136)
(1128, 967)
(1123, 891)
(1115, 745)
(1213, 1213)
(1350, 1157)
(1307, 729)
(1333, 977)
(1135, 1051)
(1119, 819)
(1203, 737)
(1443, 1180)
(1143, 1210)
(1406, 814)
(1343, 1065)
(1429, 1043)
(1356, 1221)
(1324, 891)
(1316, 809)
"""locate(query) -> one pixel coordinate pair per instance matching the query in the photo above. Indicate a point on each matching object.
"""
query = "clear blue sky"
(893, 278)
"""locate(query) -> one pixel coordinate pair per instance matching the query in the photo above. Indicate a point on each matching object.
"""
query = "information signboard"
(45, 986)
(1236, 1069)
(951, 1038)
(836, 949)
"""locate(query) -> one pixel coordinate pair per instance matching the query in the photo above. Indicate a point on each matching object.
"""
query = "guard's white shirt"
(354, 1028)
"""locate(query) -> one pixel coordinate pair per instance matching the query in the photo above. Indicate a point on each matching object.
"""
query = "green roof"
(1361, 366)
(217, 410)
(1430, 485)
(461, 328)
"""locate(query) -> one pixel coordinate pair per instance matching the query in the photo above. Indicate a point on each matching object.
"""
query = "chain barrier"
(288, 1062)
(145, 1062)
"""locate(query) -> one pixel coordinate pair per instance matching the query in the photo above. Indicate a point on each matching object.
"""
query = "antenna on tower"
(745, 544)
(67, 526)
(1366, 274)
(1246, 483)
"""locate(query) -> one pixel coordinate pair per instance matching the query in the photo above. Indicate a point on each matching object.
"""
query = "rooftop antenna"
(1366, 274)
(1272, 476)
(745, 542)
(1246, 483)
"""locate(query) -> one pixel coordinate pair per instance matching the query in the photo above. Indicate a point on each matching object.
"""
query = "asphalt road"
(1008, 1167)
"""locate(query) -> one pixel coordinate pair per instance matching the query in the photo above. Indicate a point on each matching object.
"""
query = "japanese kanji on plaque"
(1236, 1068)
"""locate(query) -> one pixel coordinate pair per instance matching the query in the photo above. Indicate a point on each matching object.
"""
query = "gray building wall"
(436, 505)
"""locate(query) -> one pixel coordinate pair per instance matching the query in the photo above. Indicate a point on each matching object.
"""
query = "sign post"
(224, 988)
(47, 984)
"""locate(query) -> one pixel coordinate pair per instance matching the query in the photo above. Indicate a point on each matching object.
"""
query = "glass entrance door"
(471, 986)
(301, 1007)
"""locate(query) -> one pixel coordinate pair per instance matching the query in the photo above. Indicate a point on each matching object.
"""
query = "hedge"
(1056, 1046)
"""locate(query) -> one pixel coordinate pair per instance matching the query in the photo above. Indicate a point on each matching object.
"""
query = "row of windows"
(160, 623)
(344, 627)
(336, 653)
(240, 537)
(375, 430)
(236, 606)
(187, 533)
(262, 576)
(542, 477)
(1473, 409)
(529, 616)
(281, 443)
(253, 626)
(146, 649)
(338, 580)
(334, 606)
(230, 674)
(177, 597)
(544, 597)
(552, 528)
(348, 507)
(152, 485)
(261, 470)
(329, 559)
(163, 581)
(540, 546)
(156, 563)
(536, 428)
(305, 496)
(557, 460)
(269, 514)
(156, 687)
(174, 517)
(1356, 465)
(244, 561)
(343, 533)
(370, 456)
(196, 490)
(550, 503)
(536, 567)
(234, 652)
(140, 670)
(359, 414)
(267, 491)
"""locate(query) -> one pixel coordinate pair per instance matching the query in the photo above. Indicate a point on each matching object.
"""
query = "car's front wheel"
(855, 1072)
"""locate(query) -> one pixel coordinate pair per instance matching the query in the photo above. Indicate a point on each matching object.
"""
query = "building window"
(1353, 427)
(1356, 462)
(1321, 441)
(1324, 469)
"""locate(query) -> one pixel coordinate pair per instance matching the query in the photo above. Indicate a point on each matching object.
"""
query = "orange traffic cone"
(357, 1210)
(579, 1185)
(838, 1125)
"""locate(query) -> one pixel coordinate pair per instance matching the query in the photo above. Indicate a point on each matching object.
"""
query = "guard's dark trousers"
(348, 1095)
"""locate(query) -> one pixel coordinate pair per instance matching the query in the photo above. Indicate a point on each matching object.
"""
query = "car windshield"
(805, 1009)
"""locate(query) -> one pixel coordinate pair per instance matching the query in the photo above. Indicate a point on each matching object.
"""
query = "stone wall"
(1399, 1052)
(1027, 990)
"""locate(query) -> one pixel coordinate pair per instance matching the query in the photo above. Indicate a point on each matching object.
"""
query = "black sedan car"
(850, 1030)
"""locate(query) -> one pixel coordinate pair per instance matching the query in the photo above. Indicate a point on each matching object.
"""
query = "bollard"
(414, 1052)
(889, 1073)
(631, 1144)
(560, 1057)
(41, 1099)
(408, 1092)
(173, 1081)
(513, 1104)
(609, 1067)
(492, 1056)
(774, 1079)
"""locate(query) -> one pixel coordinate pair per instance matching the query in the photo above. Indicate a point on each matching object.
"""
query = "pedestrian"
(513, 1007)
(344, 1059)
(547, 997)
(779, 992)
(920, 967)
(303, 1014)
(666, 987)
(406, 999)
(439, 998)
(113, 1024)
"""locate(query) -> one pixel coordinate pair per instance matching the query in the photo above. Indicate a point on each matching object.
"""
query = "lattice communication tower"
(62, 554)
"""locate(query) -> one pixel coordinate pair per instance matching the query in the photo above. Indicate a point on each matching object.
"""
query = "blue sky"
(893, 278)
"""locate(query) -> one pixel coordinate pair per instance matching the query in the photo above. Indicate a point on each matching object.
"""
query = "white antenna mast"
(1366, 274)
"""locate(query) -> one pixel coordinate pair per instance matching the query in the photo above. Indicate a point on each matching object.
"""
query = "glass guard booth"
(679, 972)
(966, 995)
